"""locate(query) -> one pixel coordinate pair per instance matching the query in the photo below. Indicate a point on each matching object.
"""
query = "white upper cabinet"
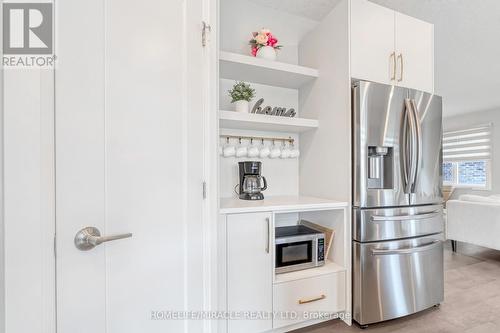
(415, 53)
(390, 47)
(249, 270)
(372, 42)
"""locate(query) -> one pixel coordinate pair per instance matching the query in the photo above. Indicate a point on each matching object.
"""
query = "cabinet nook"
(312, 74)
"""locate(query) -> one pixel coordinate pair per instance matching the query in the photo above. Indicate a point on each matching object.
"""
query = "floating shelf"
(328, 268)
(241, 67)
(262, 122)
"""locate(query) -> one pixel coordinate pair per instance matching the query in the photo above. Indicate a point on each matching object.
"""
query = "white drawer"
(309, 298)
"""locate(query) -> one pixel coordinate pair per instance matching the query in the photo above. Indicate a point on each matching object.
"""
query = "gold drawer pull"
(312, 300)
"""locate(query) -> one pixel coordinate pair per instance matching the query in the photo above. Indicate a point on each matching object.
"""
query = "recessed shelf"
(241, 67)
(328, 268)
(262, 122)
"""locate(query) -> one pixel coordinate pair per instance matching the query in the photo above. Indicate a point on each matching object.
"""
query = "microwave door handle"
(410, 250)
(418, 142)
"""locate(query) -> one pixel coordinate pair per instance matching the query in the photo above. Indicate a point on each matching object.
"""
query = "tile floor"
(471, 305)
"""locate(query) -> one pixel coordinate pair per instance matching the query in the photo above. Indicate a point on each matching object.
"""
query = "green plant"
(241, 91)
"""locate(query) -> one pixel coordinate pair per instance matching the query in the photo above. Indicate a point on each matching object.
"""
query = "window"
(467, 157)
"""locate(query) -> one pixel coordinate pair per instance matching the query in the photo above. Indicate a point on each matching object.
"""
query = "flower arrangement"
(241, 91)
(263, 38)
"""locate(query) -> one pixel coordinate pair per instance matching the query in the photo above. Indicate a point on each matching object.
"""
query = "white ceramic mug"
(253, 150)
(285, 152)
(264, 151)
(229, 150)
(275, 151)
(294, 151)
(241, 150)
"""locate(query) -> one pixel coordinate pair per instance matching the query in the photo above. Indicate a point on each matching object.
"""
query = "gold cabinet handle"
(392, 60)
(401, 62)
(305, 301)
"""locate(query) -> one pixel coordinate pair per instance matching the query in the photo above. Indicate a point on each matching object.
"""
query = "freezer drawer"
(371, 225)
(396, 278)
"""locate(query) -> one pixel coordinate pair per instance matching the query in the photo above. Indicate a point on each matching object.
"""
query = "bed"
(474, 219)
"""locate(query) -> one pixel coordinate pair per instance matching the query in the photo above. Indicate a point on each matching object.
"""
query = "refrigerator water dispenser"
(380, 167)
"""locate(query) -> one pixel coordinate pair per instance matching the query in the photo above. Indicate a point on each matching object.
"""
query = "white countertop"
(278, 204)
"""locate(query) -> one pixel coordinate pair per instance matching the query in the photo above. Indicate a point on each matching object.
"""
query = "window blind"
(468, 144)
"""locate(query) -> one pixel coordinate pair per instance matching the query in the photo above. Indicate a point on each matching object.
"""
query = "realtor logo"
(27, 28)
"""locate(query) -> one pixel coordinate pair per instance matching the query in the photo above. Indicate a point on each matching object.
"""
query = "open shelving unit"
(241, 67)
(262, 122)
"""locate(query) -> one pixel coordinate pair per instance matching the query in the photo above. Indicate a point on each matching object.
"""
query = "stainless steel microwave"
(298, 247)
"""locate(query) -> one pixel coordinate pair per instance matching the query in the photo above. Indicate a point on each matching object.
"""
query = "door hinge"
(206, 29)
(204, 190)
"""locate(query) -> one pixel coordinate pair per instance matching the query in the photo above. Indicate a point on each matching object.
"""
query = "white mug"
(294, 152)
(264, 151)
(229, 151)
(253, 151)
(241, 150)
(285, 152)
(275, 152)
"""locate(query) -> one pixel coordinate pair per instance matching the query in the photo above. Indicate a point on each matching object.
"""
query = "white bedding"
(475, 221)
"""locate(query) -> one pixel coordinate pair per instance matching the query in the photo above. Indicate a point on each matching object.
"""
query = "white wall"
(480, 118)
(325, 160)
(239, 18)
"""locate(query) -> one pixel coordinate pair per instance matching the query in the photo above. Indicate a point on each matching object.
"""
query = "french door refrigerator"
(397, 202)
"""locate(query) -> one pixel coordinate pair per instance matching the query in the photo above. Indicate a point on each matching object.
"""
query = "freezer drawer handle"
(410, 250)
(425, 216)
(310, 300)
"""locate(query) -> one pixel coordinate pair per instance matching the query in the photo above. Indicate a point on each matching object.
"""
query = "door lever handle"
(89, 237)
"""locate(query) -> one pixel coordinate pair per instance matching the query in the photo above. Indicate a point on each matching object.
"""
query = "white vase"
(241, 106)
(267, 52)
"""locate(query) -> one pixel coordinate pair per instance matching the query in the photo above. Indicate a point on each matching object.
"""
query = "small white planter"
(267, 52)
(242, 106)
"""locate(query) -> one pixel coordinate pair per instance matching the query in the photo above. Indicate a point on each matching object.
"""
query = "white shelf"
(241, 67)
(263, 122)
(278, 204)
(328, 268)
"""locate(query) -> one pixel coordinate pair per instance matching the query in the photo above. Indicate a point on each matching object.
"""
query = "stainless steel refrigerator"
(397, 202)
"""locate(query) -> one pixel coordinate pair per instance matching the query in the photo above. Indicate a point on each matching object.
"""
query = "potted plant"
(241, 94)
(264, 44)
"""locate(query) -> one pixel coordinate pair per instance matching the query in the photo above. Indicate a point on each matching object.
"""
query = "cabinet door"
(249, 270)
(372, 42)
(415, 51)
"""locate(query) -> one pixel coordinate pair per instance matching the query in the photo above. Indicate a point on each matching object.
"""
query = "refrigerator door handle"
(418, 143)
(409, 143)
(404, 150)
(409, 250)
(425, 216)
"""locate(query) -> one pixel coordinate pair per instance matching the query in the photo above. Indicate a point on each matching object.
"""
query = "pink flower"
(254, 51)
(271, 41)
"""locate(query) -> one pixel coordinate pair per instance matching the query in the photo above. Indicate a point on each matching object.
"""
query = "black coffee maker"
(250, 181)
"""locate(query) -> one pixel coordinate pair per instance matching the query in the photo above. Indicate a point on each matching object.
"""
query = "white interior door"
(129, 159)
(415, 50)
(372, 42)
